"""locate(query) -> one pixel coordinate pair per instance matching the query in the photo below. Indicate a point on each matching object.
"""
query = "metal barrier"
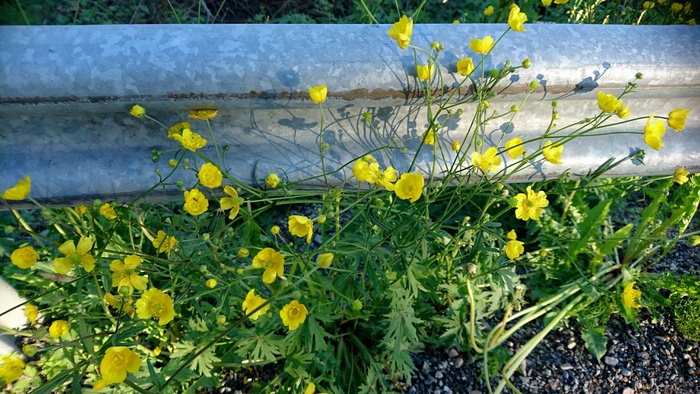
(65, 93)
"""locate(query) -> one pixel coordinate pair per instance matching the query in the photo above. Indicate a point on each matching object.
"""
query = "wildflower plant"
(393, 256)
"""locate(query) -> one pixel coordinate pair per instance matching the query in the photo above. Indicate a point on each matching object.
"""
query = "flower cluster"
(367, 169)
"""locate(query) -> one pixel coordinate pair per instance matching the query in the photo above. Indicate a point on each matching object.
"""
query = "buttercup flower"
(429, 136)
(251, 303)
(210, 283)
(243, 253)
(324, 260)
(310, 389)
(118, 360)
(293, 314)
(24, 257)
(653, 132)
(516, 19)
(301, 226)
(275, 230)
(561, 1)
(81, 209)
(488, 11)
(75, 256)
(529, 205)
(676, 7)
(465, 66)
(409, 186)
(233, 202)
(680, 176)
(481, 45)
(318, 93)
(648, 5)
(210, 176)
(272, 261)
(108, 211)
(123, 304)
(203, 114)
(124, 274)
(546, 3)
(190, 140)
(11, 367)
(177, 129)
(361, 170)
(401, 32)
(513, 248)
(456, 146)
(137, 111)
(677, 117)
(488, 161)
(31, 312)
(272, 180)
(19, 191)
(155, 303)
(164, 243)
(385, 178)
(195, 202)
(58, 329)
(515, 147)
(608, 103)
(623, 112)
(552, 153)
(426, 72)
(629, 295)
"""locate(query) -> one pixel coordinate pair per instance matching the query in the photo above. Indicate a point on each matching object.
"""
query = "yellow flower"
(401, 32)
(321, 219)
(203, 114)
(243, 253)
(210, 283)
(137, 111)
(253, 302)
(623, 112)
(680, 176)
(677, 117)
(561, 1)
(552, 152)
(210, 176)
(691, 22)
(301, 226)
(123, 304)
(481, 45)
(385, 178)
(177, 129)
(324, 260)
(515, 147)
(124, 274)
(275, 230)
(488, 161)
(24, 257)
(653, 132)
(164, 243)
(694, 240)
(513, 248)
(608, 102)
(19, 191)
(107, 211)
(272, 180)
(233, 202)
(488, 11)
(118, 360)
(272, 261)
(75, 256)
(465, 66)
(195, 202)
(293, 314)
(529, 206)
(516, 19)
(361, 170)
(676, 7)
(11, 368)
(429, 136)
(31, 312)
(426, 72)
(648, 5)
(546, 3)
(687, 7)
(221, 319)
(318, 93)
(59, 328)
(155, 303)
(629, 295)
(81, 209)
(190, 140)
(456, 146)
(409, 186)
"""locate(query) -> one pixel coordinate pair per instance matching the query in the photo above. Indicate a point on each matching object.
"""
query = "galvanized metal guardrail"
(65, 93)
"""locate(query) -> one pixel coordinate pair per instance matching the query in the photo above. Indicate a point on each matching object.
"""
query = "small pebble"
(453, 353)
(459, 362)
(438, 375)
(611, 361)
(628, 390)
(566, 367)
(571, 345)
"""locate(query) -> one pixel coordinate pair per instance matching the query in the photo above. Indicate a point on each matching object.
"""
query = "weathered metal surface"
(65, 93)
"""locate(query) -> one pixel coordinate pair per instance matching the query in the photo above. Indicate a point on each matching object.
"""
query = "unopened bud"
(526, 63)
(471, 269)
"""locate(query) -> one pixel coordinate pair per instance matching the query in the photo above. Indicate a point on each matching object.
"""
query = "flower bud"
(515, 108)
(29, 350)
(221, 319)
(210, 283)
(243, 253)
(356, 305)
(275, 230)
(639, 76)
(526, 63)
(533, 85)
(459, 111)
(321, 219)
(367, 116)
(172, 163)
(494, 73)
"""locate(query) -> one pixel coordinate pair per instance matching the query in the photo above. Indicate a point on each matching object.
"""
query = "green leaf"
(595, 341)
(589, 228)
